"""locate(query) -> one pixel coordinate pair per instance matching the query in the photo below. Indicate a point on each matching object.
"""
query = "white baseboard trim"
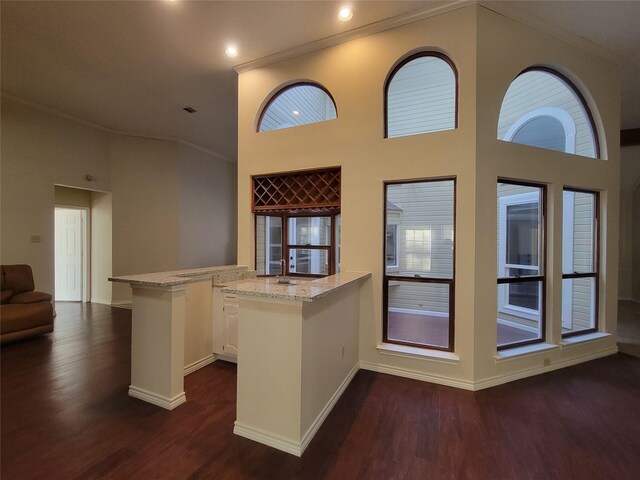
(122, 304)
(267, 438)
(285, 444)
(423, 377)
(199, 364)
(488, 382)
(101, 301)
(499, 380)
(227, 358)
(510, 323)
(426, 313)
(154, 398)
(324, 413)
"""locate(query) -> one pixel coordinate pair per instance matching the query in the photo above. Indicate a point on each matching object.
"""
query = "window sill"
(580, 339)
(414, 352)
(519, 352)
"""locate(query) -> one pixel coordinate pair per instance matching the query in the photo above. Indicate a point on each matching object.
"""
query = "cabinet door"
(231, 310)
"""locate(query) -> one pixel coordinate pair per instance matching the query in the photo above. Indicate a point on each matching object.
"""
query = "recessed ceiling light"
(295, 112)
(345, 14)
(231, 51)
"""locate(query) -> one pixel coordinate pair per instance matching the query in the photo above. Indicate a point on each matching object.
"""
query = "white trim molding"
(155, 399)
(209, 359)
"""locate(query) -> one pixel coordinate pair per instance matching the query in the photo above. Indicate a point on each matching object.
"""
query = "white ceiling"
(132, 66)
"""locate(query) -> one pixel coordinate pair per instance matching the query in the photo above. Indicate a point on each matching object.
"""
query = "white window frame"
(503, 291)
(563, 117)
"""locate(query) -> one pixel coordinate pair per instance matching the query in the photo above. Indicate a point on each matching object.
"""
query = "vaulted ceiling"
(133, 66)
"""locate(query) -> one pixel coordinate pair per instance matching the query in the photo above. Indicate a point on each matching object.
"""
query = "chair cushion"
(31, 297)
(5, 296)
(15, 317)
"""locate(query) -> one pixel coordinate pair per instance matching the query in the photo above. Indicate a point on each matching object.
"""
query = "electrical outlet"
(547, 362)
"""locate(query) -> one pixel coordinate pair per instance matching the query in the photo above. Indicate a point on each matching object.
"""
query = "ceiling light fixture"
(231, 51)
(345, 14)
(295, 112)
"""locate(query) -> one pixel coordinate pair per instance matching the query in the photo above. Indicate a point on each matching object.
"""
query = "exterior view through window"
(419, 263)
(579, 262)
(521, 212)
(543, 109)
(297, 105)
(305, 245)
(421, 96)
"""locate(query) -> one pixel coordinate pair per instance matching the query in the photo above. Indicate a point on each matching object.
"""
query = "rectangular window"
(579, 262)
(419, 263)
(521, 279)
(305, 245)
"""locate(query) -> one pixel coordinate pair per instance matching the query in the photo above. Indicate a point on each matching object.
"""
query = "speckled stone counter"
(180, 277)
(303, 290)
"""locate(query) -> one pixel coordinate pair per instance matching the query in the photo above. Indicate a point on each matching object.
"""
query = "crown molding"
(112, 131)
(507, 9)
(360, 32)
(55, 112)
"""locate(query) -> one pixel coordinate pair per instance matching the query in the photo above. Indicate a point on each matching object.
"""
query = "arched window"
(543, 109)
(295, 105)
(420, 95)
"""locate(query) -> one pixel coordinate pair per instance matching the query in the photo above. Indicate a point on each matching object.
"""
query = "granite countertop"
(180, 277)
(304, 290)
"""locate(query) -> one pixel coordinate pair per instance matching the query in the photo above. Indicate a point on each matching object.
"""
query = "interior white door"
(69, 231)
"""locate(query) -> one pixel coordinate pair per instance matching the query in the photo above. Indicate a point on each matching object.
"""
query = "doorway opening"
(71, 254)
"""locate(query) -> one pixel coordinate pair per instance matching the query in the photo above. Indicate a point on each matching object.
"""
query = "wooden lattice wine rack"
(310, 190)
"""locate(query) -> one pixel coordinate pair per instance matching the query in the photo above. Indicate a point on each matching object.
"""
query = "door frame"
(86, 245)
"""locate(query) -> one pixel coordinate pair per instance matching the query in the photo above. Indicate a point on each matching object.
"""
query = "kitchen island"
(298, 351)
(172, 329)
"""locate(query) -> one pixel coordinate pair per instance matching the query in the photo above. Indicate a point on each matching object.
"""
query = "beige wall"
(146, 208)
(208, 207)
(499, 62)
(354, 72)
(172, 206)
(40, 150)
(72, 197)
(101, 247)
(629, 210)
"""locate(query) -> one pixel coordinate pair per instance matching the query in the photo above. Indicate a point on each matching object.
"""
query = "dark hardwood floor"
(66, 415)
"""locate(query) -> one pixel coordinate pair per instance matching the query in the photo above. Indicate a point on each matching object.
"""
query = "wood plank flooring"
(66, 414)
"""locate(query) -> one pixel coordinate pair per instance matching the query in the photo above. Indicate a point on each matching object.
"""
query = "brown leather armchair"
(23, 312)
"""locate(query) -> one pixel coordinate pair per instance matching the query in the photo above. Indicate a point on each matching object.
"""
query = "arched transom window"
(296, 105)
(420, 96)
(543, 109)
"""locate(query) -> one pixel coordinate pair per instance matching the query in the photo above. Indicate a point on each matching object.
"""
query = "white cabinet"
(225, 324)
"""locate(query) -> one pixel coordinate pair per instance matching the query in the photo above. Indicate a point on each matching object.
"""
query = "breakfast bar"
(172, 329)
(298, 351)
